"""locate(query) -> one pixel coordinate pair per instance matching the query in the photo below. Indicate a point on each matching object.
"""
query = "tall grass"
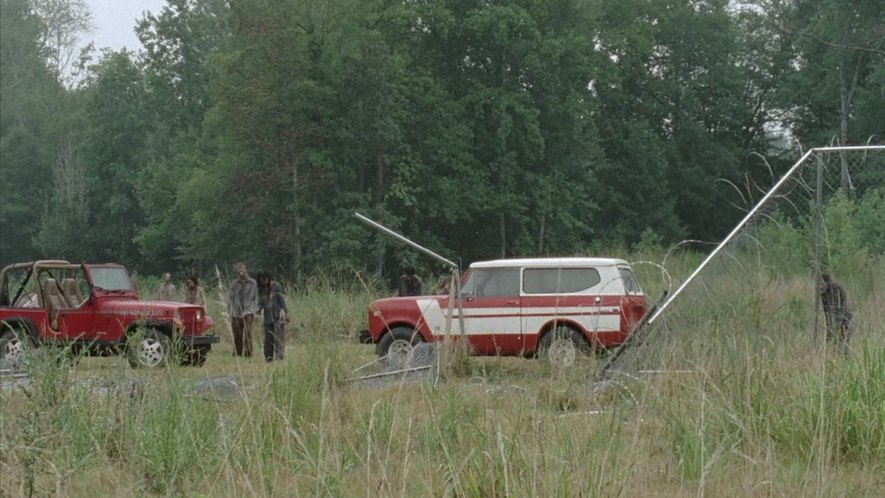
(754, 409)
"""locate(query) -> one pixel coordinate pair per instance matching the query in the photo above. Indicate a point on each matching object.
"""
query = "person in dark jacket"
(272, 302)
(409, 283)
(834, 301)
(242, 305)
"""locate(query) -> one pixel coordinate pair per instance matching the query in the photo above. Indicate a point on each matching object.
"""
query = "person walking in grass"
(839, 318)
(166, 291)
(272, 302)
(242, 305)
(194, 294)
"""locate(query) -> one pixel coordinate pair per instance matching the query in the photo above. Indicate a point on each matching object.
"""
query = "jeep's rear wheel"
(150, 348)
(398, 342)
(562, 345)
(13, 343)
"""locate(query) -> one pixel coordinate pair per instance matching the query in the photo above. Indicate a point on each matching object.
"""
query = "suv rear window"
(558, 280)
(630, 282)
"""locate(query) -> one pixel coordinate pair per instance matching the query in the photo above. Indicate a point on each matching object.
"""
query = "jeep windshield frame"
(112, 279)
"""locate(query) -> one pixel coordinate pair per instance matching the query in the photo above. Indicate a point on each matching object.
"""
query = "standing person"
(272, 302)
(242, 305)
(834, 300)
(443, 285)
(166, 291)
(409, 283)
(194, 294)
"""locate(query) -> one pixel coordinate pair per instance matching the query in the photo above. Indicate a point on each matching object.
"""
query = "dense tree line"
(254, 130)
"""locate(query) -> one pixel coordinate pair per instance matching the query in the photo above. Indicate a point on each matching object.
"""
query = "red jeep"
(94, 309)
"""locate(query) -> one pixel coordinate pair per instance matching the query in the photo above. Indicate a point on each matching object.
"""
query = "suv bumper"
(200, 340)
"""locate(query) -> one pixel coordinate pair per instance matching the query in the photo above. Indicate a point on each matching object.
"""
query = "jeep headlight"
(199, 315)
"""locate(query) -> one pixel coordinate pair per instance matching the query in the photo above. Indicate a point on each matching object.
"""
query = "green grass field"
(750, 408)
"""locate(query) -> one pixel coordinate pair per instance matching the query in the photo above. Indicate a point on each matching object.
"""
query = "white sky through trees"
(114, 22)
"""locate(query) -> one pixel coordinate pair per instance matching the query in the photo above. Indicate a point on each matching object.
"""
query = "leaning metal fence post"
(450, 264)
(818, 236)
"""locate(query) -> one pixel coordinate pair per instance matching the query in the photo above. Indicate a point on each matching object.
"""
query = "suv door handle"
(514, 301)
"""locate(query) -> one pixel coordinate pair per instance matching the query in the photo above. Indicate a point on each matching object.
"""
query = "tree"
(27, 88)
(115, 154)
(840, 55)
(64, 21)
(180, 42)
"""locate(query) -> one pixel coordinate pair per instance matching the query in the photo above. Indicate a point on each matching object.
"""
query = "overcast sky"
(114, 22)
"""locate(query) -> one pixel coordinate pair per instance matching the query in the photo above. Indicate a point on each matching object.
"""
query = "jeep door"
(71, 314)
(491, 305)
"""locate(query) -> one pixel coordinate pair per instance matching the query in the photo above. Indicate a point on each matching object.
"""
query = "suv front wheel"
(150, 348)
(398, 342)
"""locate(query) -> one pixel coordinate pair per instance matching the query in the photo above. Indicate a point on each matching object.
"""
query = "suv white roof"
(548, 262)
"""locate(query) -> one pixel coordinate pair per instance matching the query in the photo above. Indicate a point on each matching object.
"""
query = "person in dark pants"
(272, 302)
(242, 305)
(834, 301)
(409, 283)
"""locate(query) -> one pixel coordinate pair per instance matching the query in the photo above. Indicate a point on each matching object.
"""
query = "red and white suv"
(520, 307)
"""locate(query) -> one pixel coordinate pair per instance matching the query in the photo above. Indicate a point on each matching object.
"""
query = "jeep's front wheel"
(13, 343)
(398, 342)
(150, 348)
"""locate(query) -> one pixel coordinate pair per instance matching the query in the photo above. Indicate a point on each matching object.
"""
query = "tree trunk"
(503, 232)
(846, 89)
(296, 228)
(541, 233)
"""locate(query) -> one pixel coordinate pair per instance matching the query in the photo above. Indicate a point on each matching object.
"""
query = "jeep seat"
(71, 292)
(53, 300)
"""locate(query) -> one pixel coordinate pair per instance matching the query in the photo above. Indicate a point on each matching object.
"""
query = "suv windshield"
(111, 279)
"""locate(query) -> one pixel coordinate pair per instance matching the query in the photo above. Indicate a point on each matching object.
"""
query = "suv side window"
(630, 282)
(496, 282)
(559, 280)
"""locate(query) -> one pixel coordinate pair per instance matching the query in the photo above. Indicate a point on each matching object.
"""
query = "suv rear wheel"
(562, 345)
(150, 348)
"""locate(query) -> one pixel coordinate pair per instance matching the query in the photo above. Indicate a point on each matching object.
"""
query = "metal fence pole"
(818, 239)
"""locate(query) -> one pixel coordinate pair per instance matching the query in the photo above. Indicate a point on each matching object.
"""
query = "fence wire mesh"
(761, 284)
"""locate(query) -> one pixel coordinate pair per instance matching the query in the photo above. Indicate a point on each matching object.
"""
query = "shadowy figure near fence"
(839, 318)
(409, 283)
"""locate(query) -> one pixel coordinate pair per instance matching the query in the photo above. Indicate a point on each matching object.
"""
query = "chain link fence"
(826, 215)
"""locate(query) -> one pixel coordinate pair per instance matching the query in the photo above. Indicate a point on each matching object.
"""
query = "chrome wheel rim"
(14, 351)
(399, 349)
(562, 353)
(151, 352)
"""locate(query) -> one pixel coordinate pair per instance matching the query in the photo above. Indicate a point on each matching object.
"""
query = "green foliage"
(835, 78)
(253, 131)
(28, 93)
(853, 232)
